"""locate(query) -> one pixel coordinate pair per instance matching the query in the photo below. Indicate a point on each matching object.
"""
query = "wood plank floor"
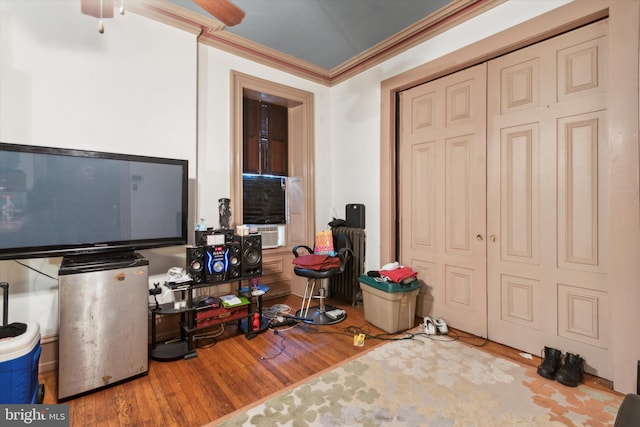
(232, 371)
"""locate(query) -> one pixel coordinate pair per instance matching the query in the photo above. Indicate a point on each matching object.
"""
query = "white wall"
(355, 112)
(62, 84)
(134, 89)
(214, 126)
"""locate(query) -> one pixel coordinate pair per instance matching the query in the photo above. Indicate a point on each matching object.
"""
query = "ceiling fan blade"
(227, 12)
(92, 8)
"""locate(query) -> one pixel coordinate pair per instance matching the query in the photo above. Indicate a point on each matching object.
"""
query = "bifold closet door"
(442, 195)
(547, 197)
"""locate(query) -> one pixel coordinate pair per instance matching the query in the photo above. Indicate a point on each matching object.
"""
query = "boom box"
(219, 236)
(222, 262)
(251, 247)
(201, 237)
(195, 263)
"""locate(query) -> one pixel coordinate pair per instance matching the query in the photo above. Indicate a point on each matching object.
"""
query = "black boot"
(551, 363)
(572, 371)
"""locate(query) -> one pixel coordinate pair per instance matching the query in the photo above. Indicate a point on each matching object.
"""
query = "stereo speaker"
(355, 215)
(251, 247)
(195, 263)
(235, 260)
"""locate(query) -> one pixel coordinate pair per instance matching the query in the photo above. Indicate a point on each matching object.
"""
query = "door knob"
(479, 237)
(493, 238)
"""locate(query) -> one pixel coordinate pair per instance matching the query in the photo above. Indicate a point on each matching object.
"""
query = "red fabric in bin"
(398, 274)
(317, 262)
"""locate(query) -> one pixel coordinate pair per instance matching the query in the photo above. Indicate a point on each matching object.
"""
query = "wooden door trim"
(301, 163)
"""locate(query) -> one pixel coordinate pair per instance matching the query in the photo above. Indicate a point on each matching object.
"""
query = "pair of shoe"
(569, 371)
(435, 326)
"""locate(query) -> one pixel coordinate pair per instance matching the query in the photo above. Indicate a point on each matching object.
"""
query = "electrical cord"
(406, 335)
(356, 330)
(353, 330)
(208, 335)
(35, 269)
(467, 337)
(282, 348)
(275, 310)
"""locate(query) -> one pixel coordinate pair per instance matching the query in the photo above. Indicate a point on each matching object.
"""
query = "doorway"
(578, 326)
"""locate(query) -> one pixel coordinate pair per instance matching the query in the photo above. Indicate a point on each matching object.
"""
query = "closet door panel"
(442, 167)
(547, 210)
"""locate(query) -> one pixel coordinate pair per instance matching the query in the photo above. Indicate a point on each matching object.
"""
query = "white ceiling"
(326, 33)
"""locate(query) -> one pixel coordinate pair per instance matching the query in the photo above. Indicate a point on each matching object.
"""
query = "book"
(233, 301)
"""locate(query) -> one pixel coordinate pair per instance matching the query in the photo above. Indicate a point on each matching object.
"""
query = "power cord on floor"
(468, 338)
(282, 348)
(350, 331)
(276, 310)
(209, 339)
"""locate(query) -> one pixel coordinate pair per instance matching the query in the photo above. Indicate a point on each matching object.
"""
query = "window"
(265, 138)
(264, 163)
(300, 183)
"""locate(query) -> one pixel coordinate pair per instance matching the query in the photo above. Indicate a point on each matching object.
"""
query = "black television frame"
(101, 247)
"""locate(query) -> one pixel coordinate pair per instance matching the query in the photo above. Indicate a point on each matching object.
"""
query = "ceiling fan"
(224, 10)
(227, 12)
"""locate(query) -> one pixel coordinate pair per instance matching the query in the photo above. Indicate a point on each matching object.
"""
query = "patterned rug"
(424, 382)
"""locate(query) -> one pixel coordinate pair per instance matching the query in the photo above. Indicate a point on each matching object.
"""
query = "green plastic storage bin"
(389, 306)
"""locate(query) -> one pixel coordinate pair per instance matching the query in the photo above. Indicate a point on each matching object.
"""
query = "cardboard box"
(387, 305)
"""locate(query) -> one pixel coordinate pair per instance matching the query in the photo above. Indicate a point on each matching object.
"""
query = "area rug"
(424, 382)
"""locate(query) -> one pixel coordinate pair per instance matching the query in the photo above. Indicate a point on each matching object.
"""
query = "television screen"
(56, 202)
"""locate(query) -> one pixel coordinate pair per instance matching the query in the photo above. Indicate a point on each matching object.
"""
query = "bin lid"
(389, 286)
(14, 347)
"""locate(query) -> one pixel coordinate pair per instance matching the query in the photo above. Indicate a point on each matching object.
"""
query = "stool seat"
(315, 274)
(319, 267)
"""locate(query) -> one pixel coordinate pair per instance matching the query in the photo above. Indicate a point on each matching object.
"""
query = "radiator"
(345, 286)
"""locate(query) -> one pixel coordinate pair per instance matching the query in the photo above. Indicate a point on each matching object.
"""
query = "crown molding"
(438, 22)
(256, 52)
(211, 33)
(173, 15)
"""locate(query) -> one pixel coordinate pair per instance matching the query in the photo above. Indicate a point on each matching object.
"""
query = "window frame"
(300, 181)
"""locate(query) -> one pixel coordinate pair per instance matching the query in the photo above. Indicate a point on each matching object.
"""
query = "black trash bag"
(336, 222)
(13, 330)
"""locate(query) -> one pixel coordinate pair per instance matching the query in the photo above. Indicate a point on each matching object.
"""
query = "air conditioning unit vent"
(272, 235)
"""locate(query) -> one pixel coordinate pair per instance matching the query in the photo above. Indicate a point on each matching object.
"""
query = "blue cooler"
(19, 358)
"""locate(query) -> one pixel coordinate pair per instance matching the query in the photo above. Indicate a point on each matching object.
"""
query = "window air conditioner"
(273, 236)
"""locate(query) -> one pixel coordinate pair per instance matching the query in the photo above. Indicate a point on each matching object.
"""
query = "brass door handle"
(479, 237)
(493, 238)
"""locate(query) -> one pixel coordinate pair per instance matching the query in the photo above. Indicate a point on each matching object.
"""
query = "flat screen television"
(61, 202)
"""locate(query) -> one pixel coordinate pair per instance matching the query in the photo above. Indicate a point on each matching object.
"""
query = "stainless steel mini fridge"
(103, 313)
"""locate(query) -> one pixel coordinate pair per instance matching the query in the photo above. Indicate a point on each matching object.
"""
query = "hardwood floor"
(232, 371)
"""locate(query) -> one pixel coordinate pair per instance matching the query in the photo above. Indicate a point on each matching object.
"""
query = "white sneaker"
(429, 326)
(441, 326)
